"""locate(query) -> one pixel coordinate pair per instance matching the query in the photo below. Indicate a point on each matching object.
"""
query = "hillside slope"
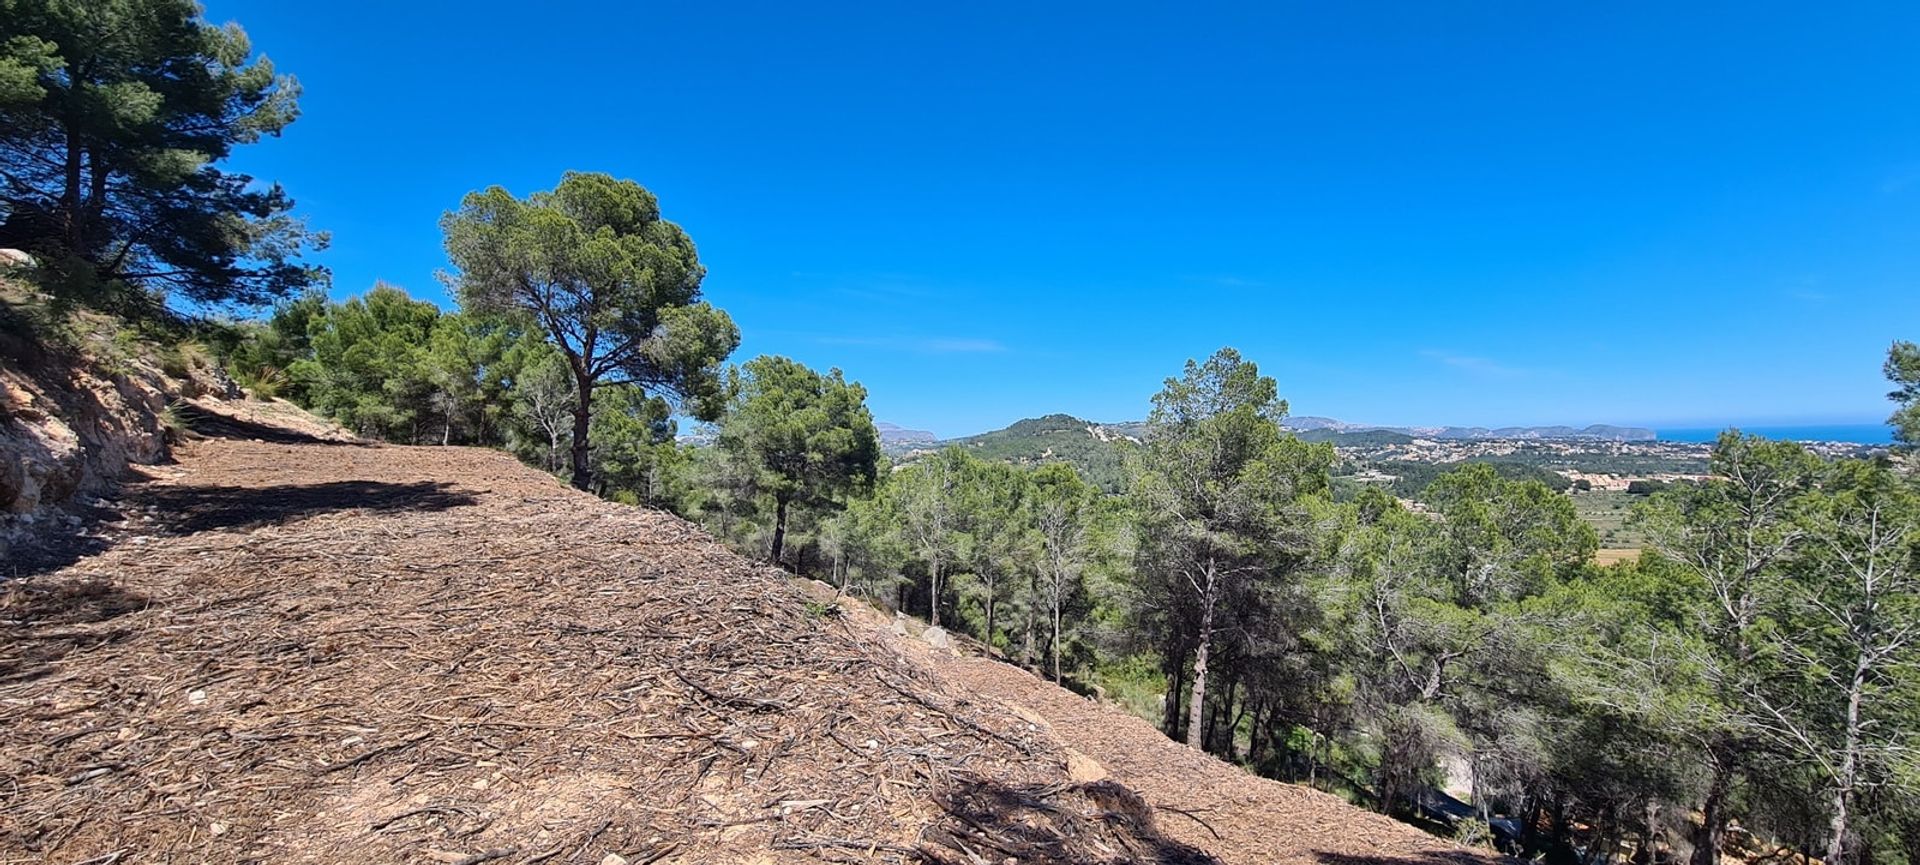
(329, 652)
(77, 408)
(1097, 452)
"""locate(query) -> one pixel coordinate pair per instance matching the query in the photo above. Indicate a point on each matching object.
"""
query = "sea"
(1857, 433)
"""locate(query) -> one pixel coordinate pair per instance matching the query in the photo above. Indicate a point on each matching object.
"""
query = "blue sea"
(1861, 433)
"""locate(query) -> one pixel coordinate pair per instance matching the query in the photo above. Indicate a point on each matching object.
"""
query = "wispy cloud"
(921, 345)
(1478, 366)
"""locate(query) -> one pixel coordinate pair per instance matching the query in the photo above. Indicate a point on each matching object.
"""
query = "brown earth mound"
(315, 651)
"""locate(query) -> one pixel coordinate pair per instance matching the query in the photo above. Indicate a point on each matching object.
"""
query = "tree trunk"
(1195, 712)
(1170, 705)
(97, 193)
(70, 197)
(1713, 823)
(1056, 643)
(1844, 776)
(992, 590)
(933, 598)
(1230, 714)
(779, 528)
(1649, 834)
(1029, 647)
(1256, 709)
(582, 418)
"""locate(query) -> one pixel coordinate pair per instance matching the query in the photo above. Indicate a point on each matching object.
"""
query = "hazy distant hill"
(1605, 432)
(1095, 449)
(1358, 438)
(1098, 449)
(895, 437)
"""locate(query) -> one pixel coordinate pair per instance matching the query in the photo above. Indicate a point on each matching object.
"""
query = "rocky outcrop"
(75, 414)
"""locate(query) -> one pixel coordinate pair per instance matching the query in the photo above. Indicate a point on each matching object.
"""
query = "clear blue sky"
(1676, 214)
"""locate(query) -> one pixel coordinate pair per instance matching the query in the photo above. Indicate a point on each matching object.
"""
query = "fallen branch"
(488, 856)
(330, 768)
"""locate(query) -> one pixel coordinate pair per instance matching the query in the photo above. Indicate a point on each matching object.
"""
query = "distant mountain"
(1355, 439)
(1604, 432)
(1096, 450)
(1309, 422)
(895, 436)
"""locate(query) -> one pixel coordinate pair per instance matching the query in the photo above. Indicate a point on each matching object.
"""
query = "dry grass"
(1608, 557)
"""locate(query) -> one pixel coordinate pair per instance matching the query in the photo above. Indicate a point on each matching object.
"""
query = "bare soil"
(1237, 816)
(309, 650)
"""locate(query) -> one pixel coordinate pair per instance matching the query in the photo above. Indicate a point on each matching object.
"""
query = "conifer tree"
(114, 118)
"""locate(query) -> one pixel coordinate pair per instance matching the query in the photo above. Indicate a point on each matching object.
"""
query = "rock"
(937, 637)
(613, 859)
(69, 428)
(1084, 769)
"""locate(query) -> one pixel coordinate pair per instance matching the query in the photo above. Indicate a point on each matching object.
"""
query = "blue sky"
(1472, 213)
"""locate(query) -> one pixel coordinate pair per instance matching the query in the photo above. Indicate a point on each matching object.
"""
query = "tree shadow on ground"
(40, 624)
(185, 510)
(1460, 857)
(1050, 824)
(217, 425)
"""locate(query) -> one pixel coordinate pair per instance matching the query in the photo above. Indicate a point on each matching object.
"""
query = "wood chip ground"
(295, 650)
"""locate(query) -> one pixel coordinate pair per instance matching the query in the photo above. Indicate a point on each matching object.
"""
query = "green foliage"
(1507, 540)
(1610, 512)
(368, 364)
(1903, 370)
(543, 404)
(807, 439)
(615, 287)
(1222, 504)
(1359, 438)
(1100, 458)
(633, 448)
(1412, 479)
(113, 117)
(1758, 665)
(823, 609)
(1766, 645)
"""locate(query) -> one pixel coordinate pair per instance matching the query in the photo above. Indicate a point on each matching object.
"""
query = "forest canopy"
(1757, 668)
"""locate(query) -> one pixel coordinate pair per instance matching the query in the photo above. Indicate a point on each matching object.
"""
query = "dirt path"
(1237, 816)
(295, 650)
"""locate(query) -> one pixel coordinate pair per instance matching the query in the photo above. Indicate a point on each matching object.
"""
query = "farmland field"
(1606, 511)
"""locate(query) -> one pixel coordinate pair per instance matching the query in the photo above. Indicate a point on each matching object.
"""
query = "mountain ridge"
(893, 434)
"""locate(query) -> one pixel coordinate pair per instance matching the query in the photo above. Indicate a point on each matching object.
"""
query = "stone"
(1084, 769)
(937, 637)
